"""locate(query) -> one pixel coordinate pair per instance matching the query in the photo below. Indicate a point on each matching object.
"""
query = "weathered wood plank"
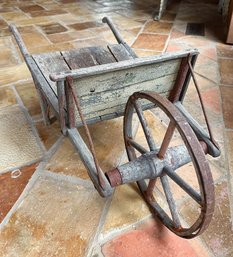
(119, 52)
(88, 57)
(160, 85)
(102, 55)
(79, 58)
(118, 79)
(100, 69)
(114, 110)
(49, 63)
(114, 101)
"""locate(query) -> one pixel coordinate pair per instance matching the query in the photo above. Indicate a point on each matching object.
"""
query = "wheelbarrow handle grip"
(116, 33)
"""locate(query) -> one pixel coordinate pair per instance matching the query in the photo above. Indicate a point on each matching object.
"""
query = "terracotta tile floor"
(48, 206)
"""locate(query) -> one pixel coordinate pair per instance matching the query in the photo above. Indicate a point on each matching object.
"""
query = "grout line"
(104, 238)
(18, 82)
(94, 243)
(229, 129)
(225, 58)
(9, 169)
(31, 183)
(29, 120)
(140, 31)
(225, 85)
(69, 178)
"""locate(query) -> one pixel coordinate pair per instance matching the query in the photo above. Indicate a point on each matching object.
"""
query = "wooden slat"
(114, 101)
(88, 57)
(92, 101)
(105, 94)
(119, 52)
(80, 58)
(100, 69)
(115, 109)
(102, 55)
(121, 78)
(49, 63)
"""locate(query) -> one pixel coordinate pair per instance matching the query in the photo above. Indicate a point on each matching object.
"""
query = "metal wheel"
(203, 197)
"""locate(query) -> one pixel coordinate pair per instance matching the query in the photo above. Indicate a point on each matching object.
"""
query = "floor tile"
(151, 239)
(195, 42)
(47, 13)
(68, 18)
(175, 47)
(28, 95)
(127, 207)
(227, 102)
(3, 24)
(14, 16)
(109, 147)
(35, 39)
(27, 29)
(143, 53)
(226, 66)
(157, 27)
(53, 28)
(95, 41)
(5, 32)
(54, 224)
(70, 36)
(209, 52)
(150, 42)
(7, 97)
(52, 48)
(18, 144)
(6, 9)
(8, 57)
(48, 134)
(229, 143)
(209, 70)
(14, 74)
(225, 51)
(12, 185)
(35, 20)
(85, 25)
(212, 99)
(168, 16)
(31, 8)
(219, 233)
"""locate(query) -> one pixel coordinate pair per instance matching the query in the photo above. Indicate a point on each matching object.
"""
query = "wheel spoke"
(166, 140)
(170, 201)
(150, 188)
(145, 127)
(187, 188)
(138, 147)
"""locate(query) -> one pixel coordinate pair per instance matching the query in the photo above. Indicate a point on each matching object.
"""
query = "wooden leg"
(44, 108)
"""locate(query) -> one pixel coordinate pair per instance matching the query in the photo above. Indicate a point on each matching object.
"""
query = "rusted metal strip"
(181, 77)
(100, 174)
(202, 104)
(61, 102)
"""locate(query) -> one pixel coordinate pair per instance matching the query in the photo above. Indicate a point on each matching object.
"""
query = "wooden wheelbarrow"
(92, 84)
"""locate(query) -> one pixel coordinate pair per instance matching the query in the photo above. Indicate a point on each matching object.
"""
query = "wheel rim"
(203, 174)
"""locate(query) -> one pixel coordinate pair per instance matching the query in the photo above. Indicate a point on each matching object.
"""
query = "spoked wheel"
(202, 196)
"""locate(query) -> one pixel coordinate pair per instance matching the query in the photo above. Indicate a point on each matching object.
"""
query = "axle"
(148, 166)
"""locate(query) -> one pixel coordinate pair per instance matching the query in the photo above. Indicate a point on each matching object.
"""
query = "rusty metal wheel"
(203, 196)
